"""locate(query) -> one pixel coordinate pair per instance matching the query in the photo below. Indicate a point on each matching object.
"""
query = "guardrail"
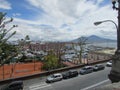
(46, 73)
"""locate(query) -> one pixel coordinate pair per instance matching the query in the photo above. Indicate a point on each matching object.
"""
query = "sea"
(105, 44)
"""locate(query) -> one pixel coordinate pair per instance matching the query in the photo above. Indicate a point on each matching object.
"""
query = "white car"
(54, 78)
(109, 64)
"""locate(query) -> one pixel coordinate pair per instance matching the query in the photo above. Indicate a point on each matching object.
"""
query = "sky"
(60, 20)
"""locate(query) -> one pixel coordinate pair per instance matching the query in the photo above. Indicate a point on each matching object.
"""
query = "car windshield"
(56, 75)
(110, 61)
(85, 68)
(52, 76)
(98, 65)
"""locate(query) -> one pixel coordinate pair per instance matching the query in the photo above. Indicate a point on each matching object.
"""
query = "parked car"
(109, 63)
(86, 70)
(70, 74)
(98, 67)
(15, 85)
(54, 78)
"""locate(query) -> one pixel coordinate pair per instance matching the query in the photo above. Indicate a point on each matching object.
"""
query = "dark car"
(98, 67)
(86, 70)
(15, 85)
(70, 74)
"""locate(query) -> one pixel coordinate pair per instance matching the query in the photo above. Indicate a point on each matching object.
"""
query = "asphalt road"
(81, 82)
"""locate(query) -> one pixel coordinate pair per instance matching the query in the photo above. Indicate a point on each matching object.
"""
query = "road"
(81, 82)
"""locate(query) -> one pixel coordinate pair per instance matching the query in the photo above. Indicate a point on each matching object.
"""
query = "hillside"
(95, 39)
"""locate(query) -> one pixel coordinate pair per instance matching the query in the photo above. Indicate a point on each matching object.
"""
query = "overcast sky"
(58, 20)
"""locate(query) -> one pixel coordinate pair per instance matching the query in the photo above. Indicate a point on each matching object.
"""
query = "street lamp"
(114, 75)
(100, 22)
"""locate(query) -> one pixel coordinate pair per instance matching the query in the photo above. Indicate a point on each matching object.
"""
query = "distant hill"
(95, 39)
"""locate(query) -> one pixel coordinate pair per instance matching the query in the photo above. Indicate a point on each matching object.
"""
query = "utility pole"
(114, 75)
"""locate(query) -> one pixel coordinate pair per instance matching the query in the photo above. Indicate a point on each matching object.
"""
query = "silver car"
(86, 70)
(54, 78)
(109, 64)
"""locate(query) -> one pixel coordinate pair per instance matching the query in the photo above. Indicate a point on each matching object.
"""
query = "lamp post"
(114, 75)
(118, 30)
(100, 22)
(118, 43)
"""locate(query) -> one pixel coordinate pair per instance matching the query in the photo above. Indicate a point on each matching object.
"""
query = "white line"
(95, 85)
(38, 85)
(36, 88)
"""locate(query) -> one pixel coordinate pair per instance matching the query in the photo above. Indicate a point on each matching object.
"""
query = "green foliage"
(50, 61)
(7, 51)
(27, 37)
(24, 42)
(22, 59)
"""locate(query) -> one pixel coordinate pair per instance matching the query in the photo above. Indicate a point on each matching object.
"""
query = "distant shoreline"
(105, 44)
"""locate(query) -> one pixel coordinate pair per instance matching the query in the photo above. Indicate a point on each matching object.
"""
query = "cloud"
(16, 14)
(67, 19)
(4, 4)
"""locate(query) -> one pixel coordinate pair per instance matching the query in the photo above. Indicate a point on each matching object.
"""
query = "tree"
(24, 42)
(7, 51)
(59, 52)
(27, 37)
(22, 59)
(50, 61)
(81, 43)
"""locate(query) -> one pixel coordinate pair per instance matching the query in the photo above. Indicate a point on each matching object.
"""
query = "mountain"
(95, 39)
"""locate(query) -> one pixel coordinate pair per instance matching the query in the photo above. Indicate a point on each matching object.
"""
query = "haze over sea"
(106, 44)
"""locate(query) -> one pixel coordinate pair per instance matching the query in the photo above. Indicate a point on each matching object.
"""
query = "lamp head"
(114, 2)
(97, 23)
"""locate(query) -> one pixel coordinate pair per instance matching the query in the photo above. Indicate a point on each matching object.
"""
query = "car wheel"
(82, 73)
(66, 77)
(20, 89)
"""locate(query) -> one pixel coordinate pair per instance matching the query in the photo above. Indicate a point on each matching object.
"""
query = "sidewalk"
(68, 64)
(113, 86)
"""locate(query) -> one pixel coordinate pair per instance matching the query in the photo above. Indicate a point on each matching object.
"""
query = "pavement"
(113, 86)
(81, 82)
(69, 64)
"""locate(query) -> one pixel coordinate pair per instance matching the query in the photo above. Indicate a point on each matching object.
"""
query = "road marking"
(39, 86)
(95, 85)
